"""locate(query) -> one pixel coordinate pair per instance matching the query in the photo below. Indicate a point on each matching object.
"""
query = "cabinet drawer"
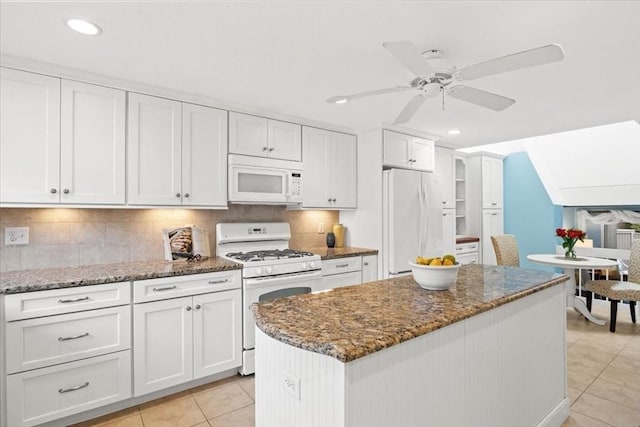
(45, 341)
(68, 300)
(339, 280)
(468, 258)
(47, 394)
(173, 287)
(462, 248)
(341, 265)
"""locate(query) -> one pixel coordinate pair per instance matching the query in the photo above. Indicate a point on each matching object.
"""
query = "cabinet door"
(315, 149)
(449, 231)
(248, 134)
(422, 154)
(92, 158)
(369, 268)
(444, 167)
(154, 150)
(29, 137)
(217, 332)
(492, 225)
(339, 280)
(204, 156)
(343, 171)
(163, 344)
(492, 183)
(396, 148)
(285, 140)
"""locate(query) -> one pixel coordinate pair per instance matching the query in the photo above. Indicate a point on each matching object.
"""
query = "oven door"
(267, 288)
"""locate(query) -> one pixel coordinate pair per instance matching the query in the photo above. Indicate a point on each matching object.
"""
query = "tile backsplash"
(60, 237)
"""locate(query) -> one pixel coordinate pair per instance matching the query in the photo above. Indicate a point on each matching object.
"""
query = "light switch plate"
(16, 236)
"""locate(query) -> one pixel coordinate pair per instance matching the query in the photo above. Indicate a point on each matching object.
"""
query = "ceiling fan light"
(342, 101)
(454, 132)
(84, 27)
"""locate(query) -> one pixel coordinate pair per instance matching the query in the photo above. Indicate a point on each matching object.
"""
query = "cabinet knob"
(271, 149)
(186, 195)
(265, 148)
(333, 200)
(366, 263)
(188, 308)
(65, 191)
(198, 306)
(53, 191)
(178, 195)
(329, 199)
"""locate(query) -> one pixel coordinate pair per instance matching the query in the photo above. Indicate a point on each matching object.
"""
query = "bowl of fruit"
(435, 273)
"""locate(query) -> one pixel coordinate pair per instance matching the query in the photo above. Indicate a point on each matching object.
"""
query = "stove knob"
(312, 264)
(258, 271)
(268, 270)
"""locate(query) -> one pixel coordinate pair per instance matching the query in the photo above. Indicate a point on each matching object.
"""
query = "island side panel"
(282, 371)
(516, 363)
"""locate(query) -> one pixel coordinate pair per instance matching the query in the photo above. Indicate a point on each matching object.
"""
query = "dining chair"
(506, 248)
(616, 290)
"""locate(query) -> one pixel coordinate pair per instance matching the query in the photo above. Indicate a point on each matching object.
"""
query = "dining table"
(569, 266)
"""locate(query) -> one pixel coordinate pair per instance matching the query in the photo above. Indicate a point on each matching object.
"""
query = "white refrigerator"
(411, 217)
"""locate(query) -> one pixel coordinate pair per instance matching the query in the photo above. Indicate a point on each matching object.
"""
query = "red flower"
(561, 232)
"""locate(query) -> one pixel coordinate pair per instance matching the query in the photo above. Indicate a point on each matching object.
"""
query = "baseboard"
(557, 416)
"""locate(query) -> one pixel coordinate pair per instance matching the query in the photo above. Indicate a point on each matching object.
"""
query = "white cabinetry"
(369, 268)
(75, 358)
(460, 196)
(258, 136)
(485, 202)
(467, 253)
(177, 153)
(445, 167)
(189, 337)
(61, 141)
(329, 160)
(448, 231)
(408, 152)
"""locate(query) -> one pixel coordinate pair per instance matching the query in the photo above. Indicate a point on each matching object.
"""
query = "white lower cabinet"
(492, 225)
(46, 394)
(66, 351)
(348, 271)
(181, 339)
(369, 268)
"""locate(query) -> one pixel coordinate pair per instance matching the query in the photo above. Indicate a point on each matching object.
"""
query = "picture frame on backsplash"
(178, 243)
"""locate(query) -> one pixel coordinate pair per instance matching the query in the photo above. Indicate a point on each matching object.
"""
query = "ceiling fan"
(431, 81)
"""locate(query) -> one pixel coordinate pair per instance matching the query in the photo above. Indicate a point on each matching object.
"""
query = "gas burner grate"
(268, 255)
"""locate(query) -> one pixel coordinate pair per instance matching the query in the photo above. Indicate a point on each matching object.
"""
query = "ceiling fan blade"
(341, 99)
(480, 97)
(410, 109)
(410, 56)
(515, 61)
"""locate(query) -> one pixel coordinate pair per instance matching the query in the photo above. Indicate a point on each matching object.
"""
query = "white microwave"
(264, 181)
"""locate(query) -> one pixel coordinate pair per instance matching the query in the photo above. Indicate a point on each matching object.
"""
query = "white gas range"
(269, 270)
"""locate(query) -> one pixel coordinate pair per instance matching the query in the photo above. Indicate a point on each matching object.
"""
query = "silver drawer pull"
(342, 265)
(86, 334)
(168, 288)
(65, 301)
(215, 282)
(78, 387)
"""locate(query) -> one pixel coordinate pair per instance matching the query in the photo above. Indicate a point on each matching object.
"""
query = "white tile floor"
(603, 378)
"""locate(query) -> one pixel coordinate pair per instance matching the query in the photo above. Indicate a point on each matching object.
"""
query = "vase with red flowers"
(569, 239)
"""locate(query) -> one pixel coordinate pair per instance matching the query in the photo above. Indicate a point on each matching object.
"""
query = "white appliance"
(269, 270)
(412, 219)
(263, 180)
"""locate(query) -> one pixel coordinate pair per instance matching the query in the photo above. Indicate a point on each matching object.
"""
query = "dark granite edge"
(335, 253)
(344, 356)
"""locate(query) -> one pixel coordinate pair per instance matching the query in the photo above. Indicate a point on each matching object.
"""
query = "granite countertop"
(54, 278)
(351, 322)
(331, 253)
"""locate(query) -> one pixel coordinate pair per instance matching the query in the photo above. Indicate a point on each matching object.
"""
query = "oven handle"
(283, 279)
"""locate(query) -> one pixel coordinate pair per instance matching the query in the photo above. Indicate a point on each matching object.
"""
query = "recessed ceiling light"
(454, 132)
(84, 27)
(342, 101)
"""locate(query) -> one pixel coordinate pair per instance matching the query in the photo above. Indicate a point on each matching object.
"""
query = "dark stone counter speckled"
(54, 278)
(351, 322)
(331, 253)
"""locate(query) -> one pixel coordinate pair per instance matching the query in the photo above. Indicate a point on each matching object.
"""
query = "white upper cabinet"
(176, 153)
(408, 152)
(29, 137)
(259, 136)
(492, 186)
(92, 149)
(444, 168)
(204, 156)
(61, 142)
(330, 163)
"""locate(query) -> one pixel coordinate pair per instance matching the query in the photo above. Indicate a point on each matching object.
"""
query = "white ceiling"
(289, 57)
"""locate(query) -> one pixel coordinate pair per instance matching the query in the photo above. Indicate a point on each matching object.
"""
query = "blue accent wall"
(528, 211)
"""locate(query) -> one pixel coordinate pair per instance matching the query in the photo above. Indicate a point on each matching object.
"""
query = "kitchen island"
(488, 352)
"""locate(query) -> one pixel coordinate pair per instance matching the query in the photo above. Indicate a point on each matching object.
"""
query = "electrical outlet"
(16, 236)
(291, 383)
(320, 227)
